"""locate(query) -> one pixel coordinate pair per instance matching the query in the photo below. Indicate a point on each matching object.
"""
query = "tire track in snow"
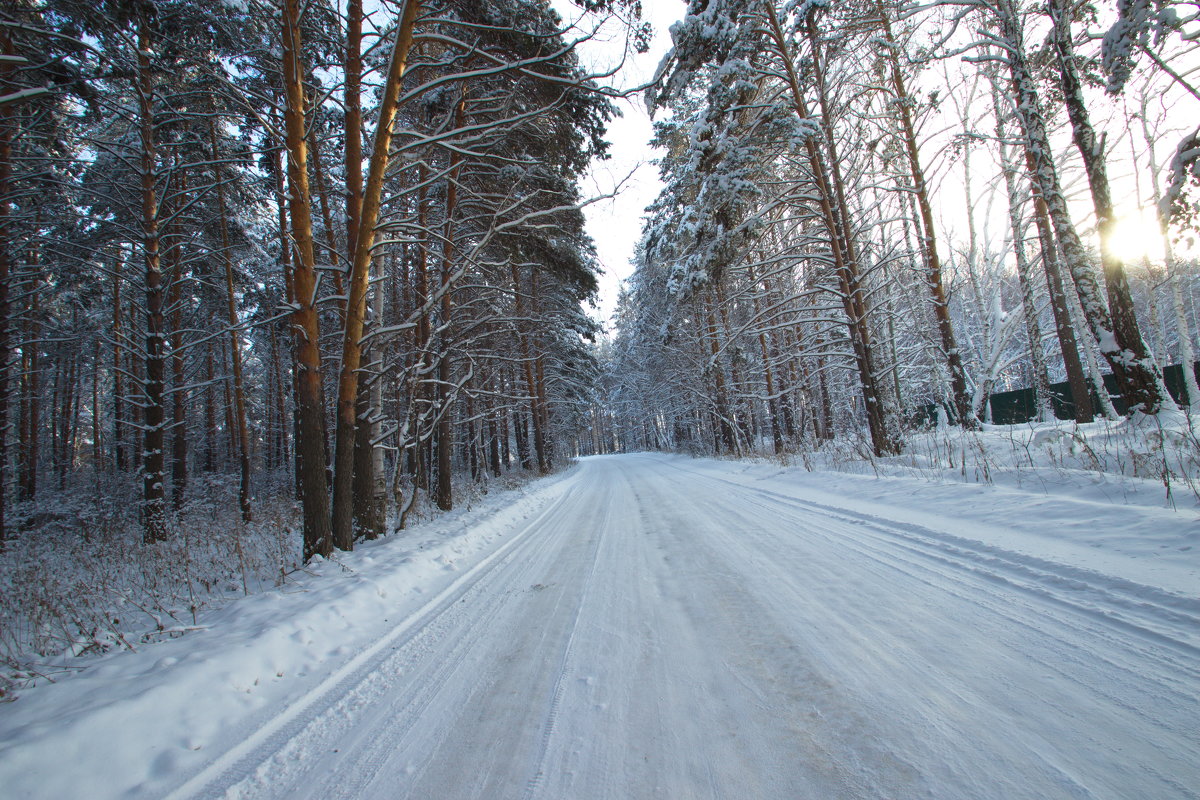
(791, 717)
(963, 584)
(1128, 645)
(1051, 688)
(1122, 666)
(564, 669)
(747, 642)
(437, 724)
(274, 734)
(439, 683)
(413, 685)
(1165, 618)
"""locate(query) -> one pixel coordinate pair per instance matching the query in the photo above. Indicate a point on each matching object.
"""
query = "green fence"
(1018, 406)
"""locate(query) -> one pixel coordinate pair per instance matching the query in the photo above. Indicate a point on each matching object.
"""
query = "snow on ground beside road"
(1143, 543)
(139, 721)
(659, 626)
(1091, 495)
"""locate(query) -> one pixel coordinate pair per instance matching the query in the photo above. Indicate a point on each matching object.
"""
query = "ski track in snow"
(667, 630)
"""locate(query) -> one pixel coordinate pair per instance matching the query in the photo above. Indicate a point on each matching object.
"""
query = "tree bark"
(97, 412)
(30, 396)
(883, 438)
(310, 433)
(235, 345)
(1136, 374)
(359, 279)
(352, 102)
(153, 516)
(339, 286)
(728, 439)
(369, 497)
(210, 408)
(179, 442)
(1060, 305)
(928, 234)
(444, 491)
(831, 201)
(7, 124)
(773, 413)
(493, 441)
(118, 429)
(527, 363)
(1033, 332)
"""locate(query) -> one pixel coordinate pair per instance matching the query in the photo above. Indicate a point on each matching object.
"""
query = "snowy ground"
(651, 626)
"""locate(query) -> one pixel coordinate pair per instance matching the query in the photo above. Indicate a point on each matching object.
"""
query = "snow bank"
(1118, 497)
(134, 724)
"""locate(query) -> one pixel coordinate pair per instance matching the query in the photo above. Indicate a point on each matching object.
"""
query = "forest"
(277, 277)
(877, 215)
(262, 252)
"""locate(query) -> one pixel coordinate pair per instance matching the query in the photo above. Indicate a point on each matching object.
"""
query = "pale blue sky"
(615, 224)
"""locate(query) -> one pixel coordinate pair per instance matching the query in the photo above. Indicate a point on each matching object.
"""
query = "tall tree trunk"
(366, 514)
(378, 456)
(310, 431)
(118, 368)
(66, 394)
(352, 102)
(528, 368)
(773, 413)
(210, 408)
(339, 286)
(97, 411)
(1186, 352)
(1095, 373)
(7, 134)
(1060, 305)
(444, 491)
(743, 417)
(76, 409)
(503, 423)
(230, 438)
(493, 441)
(279, 373)
(359, 279)
(289, 286)
(1137, 376)
(179, 448)
(728, 440)
(136, 367)
(543, 435)
(548, 441)
(56, 418)
(928, 234)
(830, 197)
(1041, 380)
(235, 345)
(153, 514)
(789, 381)
(883, 438)
(521, 437)
(369, 497)
(422, 333)
(31, 371)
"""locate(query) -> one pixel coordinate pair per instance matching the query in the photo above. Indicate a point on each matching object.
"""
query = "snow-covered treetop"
(1140, 25)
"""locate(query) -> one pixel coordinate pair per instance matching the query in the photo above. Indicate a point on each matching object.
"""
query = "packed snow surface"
(651, 626)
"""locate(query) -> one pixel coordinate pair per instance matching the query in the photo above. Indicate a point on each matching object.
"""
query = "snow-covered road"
(663, 629)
